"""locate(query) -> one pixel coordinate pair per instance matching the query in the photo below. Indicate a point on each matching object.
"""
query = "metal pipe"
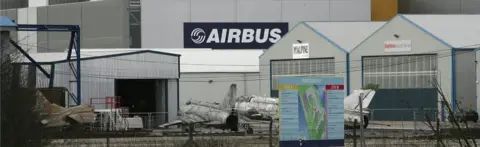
(29, 58)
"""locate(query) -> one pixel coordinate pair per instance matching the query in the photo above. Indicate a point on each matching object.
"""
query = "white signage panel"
(300, 51)
(398, 46)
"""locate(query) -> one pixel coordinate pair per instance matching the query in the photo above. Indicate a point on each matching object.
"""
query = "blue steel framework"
(74, 42)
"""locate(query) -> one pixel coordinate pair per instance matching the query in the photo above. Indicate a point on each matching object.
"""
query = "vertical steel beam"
(77, 51)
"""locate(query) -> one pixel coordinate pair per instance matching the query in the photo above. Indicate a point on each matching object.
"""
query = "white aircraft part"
(351, 101)
(205, 104)
(208, 113)
(134, 122)
(352, 111)
(268, 100)
(262, 108)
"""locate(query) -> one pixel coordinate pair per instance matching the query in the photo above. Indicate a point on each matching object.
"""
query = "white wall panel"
(27, 39)
(305, 10)
(352, 10)
(259, 10)
(37, 3)
(162, 20)
(172, 99)
(213, 10)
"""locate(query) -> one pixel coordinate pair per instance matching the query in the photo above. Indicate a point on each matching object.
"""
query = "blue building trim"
(453, 81)
(280, 39)
(361, 71)
(325, 37)
(6, 22)
(375, 32)
(424, 30)
(454, 88)
(338, 47)
(348, 73)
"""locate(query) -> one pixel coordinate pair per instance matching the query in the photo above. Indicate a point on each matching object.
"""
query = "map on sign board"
(311, 108)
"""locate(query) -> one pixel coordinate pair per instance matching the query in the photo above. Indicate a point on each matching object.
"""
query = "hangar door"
(299, 67)
(405, 86)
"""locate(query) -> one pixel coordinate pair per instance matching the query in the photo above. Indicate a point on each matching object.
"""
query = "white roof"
(194, 60)
(85, 53)
(191, 60)
(346, 34)
(460, 31)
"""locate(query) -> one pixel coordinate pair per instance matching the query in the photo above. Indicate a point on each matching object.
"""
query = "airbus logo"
(232, 35)
(198, 36)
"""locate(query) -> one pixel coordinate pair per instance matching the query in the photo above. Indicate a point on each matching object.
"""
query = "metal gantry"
(74, 43)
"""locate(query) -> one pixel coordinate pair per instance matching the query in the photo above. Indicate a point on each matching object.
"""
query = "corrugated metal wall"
(406, 83)
(98, 75)
(302, 67)
(399, 72)
(465, 74)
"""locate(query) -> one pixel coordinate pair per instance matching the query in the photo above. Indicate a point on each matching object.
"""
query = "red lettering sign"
(334, 87)
(390, 45)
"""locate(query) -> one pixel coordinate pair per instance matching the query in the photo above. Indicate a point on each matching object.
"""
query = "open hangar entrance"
(406, 86)
(299, 67)
(105, 70)
(143, 97)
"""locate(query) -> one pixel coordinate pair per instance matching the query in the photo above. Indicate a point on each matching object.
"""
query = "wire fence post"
(149, 125)
(270, 130)
(414, 120)
(108, 141)
(190, 141)
(355, 133)
(360, 100)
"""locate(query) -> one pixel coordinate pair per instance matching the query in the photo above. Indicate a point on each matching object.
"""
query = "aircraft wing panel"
(186, 118)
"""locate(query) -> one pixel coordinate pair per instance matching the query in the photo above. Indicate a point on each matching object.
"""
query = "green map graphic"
(314, 111)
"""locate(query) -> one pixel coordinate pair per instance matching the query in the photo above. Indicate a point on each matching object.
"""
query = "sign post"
(311, 111)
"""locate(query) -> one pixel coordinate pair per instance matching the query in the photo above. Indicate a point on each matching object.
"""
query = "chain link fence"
(142, 130)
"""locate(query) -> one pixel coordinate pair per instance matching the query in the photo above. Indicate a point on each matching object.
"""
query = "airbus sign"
(238, 35)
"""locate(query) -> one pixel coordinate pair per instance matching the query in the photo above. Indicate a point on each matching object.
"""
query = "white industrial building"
(206, 74)
(138, 77)
(329, 44)
(409, 53)
(162, 21)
